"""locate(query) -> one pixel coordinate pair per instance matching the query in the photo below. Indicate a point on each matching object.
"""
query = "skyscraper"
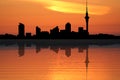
(38, 30)
(87, 17)
(68, 27)
(54, 33)
(21, 30)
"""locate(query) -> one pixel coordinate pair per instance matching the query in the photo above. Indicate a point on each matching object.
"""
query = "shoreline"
(60, 42)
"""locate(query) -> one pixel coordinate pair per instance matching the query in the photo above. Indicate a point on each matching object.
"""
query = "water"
(35, 62)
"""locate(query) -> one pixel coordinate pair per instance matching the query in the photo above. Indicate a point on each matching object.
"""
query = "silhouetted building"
(80, 30)
(54, 30)
(82, 33)
(8, 36)
(54, 33)
(44, 35)
(63, 31)
(68, 27)
(66, 34)
(62, 34)
(38, 30)
(28, 35)
(21, 30)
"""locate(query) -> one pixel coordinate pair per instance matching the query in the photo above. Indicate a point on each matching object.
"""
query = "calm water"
(34, 62)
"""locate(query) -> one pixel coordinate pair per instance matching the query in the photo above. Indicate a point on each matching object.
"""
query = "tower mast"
(87, 17)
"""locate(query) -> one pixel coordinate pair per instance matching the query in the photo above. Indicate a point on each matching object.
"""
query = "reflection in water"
(87, 62)
(21, 49)
(70, 65)
(37, 48)
(55, 49)
(67, 49)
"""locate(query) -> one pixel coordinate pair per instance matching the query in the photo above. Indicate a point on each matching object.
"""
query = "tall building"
(38, 30)
(87, 18)
(54, 33)
(68, 27)
(28, 35)
(80, 30)
(54, 30)
(21, 30)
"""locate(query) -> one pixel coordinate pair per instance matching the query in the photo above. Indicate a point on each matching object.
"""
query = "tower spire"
(87, 17)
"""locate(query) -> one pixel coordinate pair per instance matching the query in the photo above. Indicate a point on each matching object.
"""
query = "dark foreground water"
(25, 61)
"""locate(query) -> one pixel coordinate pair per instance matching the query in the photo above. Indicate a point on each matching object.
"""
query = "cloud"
(70, 7)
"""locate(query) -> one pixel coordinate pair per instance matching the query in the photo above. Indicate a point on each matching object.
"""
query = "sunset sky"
(104, 15)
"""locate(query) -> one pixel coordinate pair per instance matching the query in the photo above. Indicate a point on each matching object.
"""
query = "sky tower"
(87, 17)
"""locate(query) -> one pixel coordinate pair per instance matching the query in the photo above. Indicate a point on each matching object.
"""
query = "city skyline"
(104, 17)
(56, 33)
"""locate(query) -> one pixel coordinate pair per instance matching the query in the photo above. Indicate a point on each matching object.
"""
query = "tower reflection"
(87, 62)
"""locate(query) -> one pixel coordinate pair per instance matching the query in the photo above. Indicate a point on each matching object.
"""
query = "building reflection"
(21, 50)
(67, 49)
(56, 48)
(37, 48)
(87, 62)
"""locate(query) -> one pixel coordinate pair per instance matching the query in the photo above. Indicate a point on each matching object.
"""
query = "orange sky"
(104, 15)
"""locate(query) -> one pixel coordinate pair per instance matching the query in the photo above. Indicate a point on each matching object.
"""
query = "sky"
(104, 15)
